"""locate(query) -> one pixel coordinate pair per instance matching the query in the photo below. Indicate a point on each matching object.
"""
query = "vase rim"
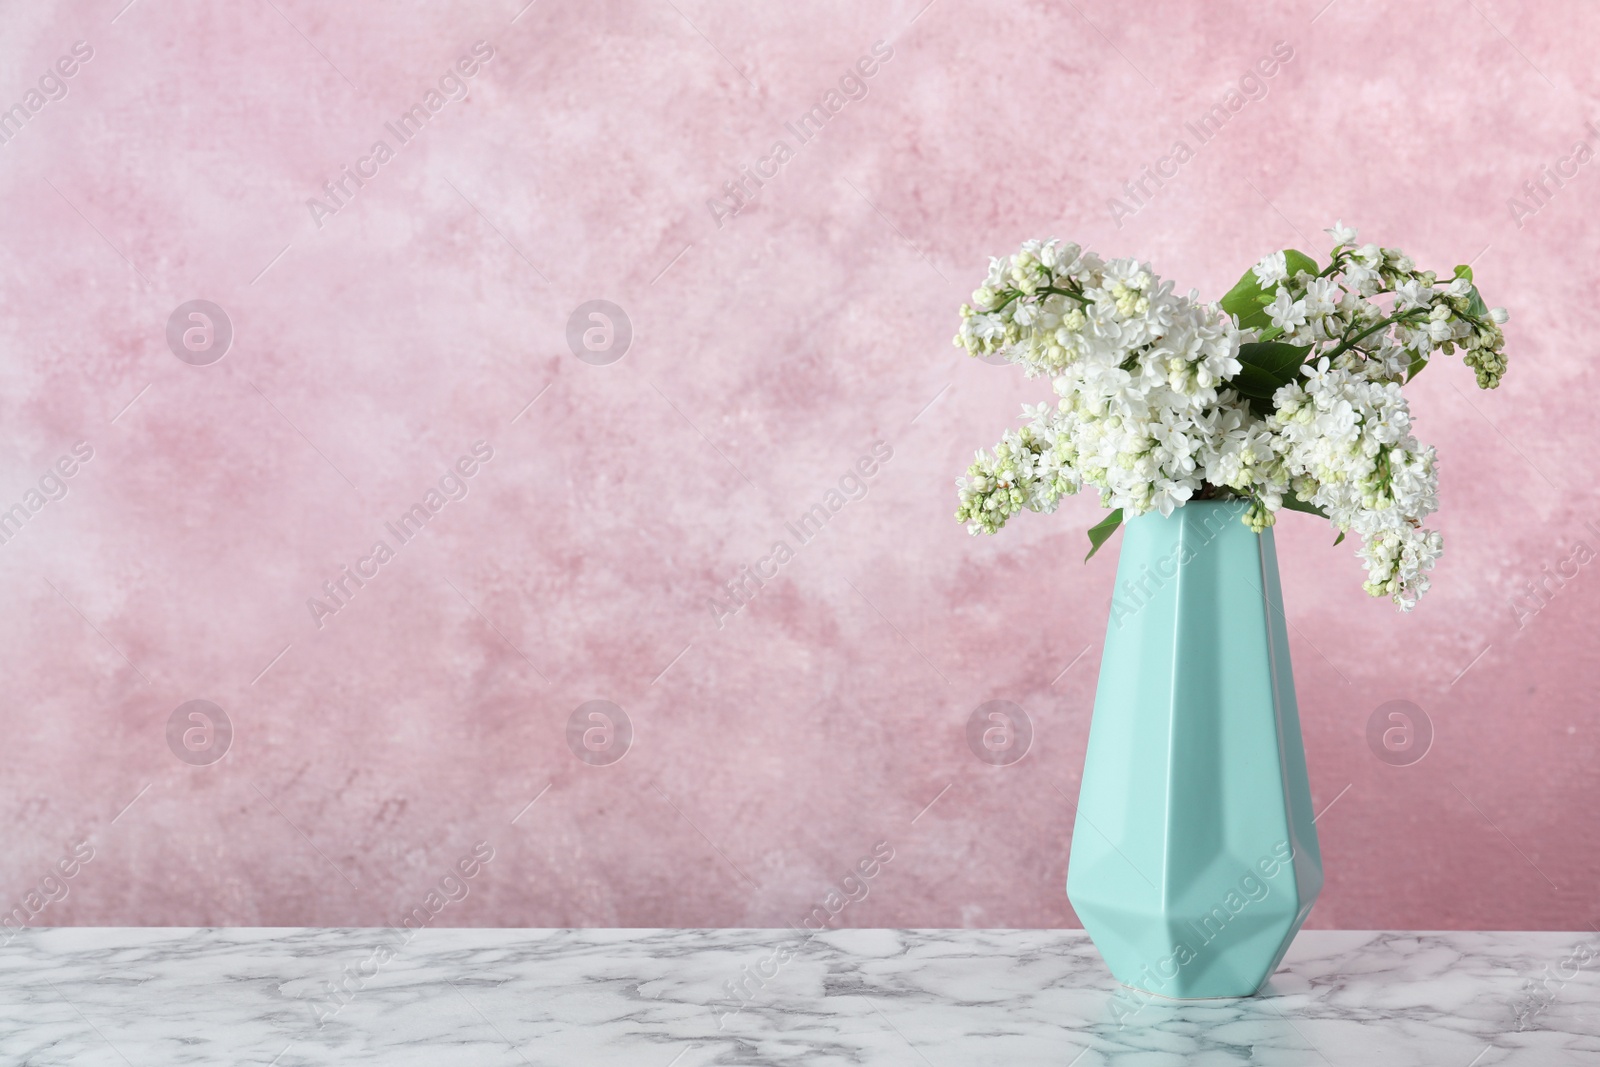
(1227, 502)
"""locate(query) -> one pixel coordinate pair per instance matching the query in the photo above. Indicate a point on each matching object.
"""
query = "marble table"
(688, 998)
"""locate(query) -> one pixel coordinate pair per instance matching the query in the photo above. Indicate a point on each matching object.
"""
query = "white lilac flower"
(1412, 293)
(1341, 234)
(1146, 414)
(1363, 278)
(1287, 313)
(1272, 269)
(1136, 369)
(1350, 437)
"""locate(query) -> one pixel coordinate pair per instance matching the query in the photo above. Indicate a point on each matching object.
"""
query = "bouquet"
(1285, 393)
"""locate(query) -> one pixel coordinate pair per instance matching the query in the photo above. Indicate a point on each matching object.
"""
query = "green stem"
(1390, 321)
(1016, 293)
(1079, 297)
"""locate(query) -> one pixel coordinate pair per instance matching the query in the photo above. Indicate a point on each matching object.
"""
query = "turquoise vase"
(1194, 858)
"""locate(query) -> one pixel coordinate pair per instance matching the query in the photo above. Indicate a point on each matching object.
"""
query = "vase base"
(1191, 1000)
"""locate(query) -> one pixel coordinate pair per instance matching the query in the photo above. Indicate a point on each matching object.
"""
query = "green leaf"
(1277, 358)
(1255, 384)
(1247, 301)
(1475, 304)
(1336, 540)
(1294, 503)
(1464, 271)
(1265, 366)
(1417, 363)
(1101, 532)
(1243, 302)
(1299, 261)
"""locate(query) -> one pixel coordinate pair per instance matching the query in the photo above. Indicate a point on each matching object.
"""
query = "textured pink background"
(769, 353)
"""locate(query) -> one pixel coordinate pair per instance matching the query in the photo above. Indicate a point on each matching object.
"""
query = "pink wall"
(769, 354)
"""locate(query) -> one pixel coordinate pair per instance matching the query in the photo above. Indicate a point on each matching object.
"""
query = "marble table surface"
(687, 998)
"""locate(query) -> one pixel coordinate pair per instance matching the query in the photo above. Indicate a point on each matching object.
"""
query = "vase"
(1194, 859)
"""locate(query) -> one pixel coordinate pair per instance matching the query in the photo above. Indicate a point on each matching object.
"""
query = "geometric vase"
(1194, 859)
